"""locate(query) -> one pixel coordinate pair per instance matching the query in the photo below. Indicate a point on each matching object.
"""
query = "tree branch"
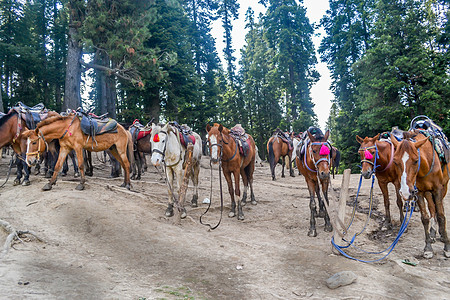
(126, 74)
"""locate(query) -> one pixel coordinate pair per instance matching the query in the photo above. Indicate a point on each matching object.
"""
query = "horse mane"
(6, 117)
(406, 146)
(51, 120)
(409, 134)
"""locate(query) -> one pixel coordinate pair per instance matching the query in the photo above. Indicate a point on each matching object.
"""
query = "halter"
(163, 153)
(67, 130)
(316, 163)
(37, 152)
(221, 152)
(377, 156)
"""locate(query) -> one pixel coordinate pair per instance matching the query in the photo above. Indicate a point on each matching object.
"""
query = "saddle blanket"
(93, 127)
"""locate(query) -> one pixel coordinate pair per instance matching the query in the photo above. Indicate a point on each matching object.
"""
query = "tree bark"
(1, 99)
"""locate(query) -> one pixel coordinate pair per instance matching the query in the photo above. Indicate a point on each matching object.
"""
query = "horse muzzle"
(324, 174)
(366, 174)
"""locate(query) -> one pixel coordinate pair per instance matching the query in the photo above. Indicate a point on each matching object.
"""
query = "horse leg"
(387, 224)
(179, 173)
(62, 156)
(428, 250)
(432, 209)
(245, 181)
(65, 168)
(75, 164)
(123, 160)
(312, 206)
(291, 169)
(282, 168)
(26, 180)
(442, 222)
(169, 210)
(79, 154)
(195, 173)
(232, 212)
(138, 163)
(328, 227)
(238, 194)
(88, 161)
(249, 170)
(399, 200)
(19, 170)
(144, 160)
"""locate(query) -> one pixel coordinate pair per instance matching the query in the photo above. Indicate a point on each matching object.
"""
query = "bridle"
(316, 163)
(377, 156)
(37, 152)
(220, 145)
(163, 153)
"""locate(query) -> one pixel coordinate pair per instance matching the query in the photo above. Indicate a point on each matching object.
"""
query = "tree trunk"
(72, 96)
(1, 99)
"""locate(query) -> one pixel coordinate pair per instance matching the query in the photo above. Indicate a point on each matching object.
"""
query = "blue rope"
(402, 229)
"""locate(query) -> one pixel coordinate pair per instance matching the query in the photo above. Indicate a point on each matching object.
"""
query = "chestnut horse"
(224, 150)
(423, 176)
(314, 165)
(377, 158)
(68, 130)
(276, 148)
(12, 127)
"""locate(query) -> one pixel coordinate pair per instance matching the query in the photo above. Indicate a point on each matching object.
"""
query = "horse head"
(319, 153)
(36, 144)
(407, 158)
(216, 141)
(158, 141)
(368, 153)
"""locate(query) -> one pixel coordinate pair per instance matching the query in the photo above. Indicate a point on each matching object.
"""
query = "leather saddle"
(92, 125)
(186, 134)
(139, 131)
(285, 138)
(241, 138)
(31, 115)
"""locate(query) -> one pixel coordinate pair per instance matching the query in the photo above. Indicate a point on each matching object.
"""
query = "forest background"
(388, 59)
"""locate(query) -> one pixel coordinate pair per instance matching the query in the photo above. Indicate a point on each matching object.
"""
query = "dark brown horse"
(225, 150)
(377, 158)
(141, 147)
(12, 127)
(68, 130)
(278, 147)
(423, 176)
(314, 165)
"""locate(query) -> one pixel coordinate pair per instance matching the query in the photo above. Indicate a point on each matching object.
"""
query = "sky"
(315, 9)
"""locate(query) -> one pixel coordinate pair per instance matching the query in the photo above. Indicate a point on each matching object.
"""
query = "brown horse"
(314, 165)
(68, 130)
(12, 127)
(141, 147)
(377, 158)
(423, 176)
(225, 150)
(276, 148)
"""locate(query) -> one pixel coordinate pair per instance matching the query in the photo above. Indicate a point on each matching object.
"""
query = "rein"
(210, 197)
(9, 169)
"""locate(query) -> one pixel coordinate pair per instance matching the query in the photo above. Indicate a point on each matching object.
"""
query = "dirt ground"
(109, 243)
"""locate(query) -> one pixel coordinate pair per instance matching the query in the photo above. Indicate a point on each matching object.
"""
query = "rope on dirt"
(210, 197)
(9, 170)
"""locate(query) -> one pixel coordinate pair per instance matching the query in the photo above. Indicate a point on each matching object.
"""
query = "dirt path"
(108, 243)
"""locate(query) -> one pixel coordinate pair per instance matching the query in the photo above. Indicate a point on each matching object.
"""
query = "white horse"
(168, 150)
(258, 160)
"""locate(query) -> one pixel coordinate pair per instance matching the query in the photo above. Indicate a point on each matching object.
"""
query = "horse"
(335, 160)
(278, 147)
(422, 175)
(141, 146)
(224, 149)
(314, 165)
(377, 158)
(49, 158)
(12, 127)
(168, 149)
(258, 160)
(68, 130)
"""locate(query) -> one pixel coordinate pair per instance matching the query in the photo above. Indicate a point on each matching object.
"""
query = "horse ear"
(394, 141)
(420, 143)
(327, 135)
(377, 137)
(311, 137)
(359, 139)
(220, 127)
(208, 127)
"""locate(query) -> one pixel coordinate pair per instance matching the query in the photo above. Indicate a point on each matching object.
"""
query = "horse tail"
(130, 149)
(336, 160)
(271, 157)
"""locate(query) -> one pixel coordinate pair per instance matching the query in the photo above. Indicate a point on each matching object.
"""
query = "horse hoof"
(241, 217)
(26, 182)
(254, 202)
(47, 187)
(447, 254)
(76, 175)
(138, 178)
(183, 214)
(428, 254)
(292, 175)
(63, 174)
(80, 187)
(243, 202)
(37, 173)
(273, 178)
(322, 214)
(386, 227)
(231, 214)
(312, 233)
(328, 228)
(123, 184)
(169, 212)
(194, 203)
(282, 176)
(16, 182)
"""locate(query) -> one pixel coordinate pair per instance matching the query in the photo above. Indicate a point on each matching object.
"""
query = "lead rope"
(210, 196)
(9, 170)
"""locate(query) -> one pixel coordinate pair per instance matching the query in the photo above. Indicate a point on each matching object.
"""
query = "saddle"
(185, 132)
(241, 138)
(284, 137)
(139, 131)
(304, 139)
(92, 125)
(31, 115)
